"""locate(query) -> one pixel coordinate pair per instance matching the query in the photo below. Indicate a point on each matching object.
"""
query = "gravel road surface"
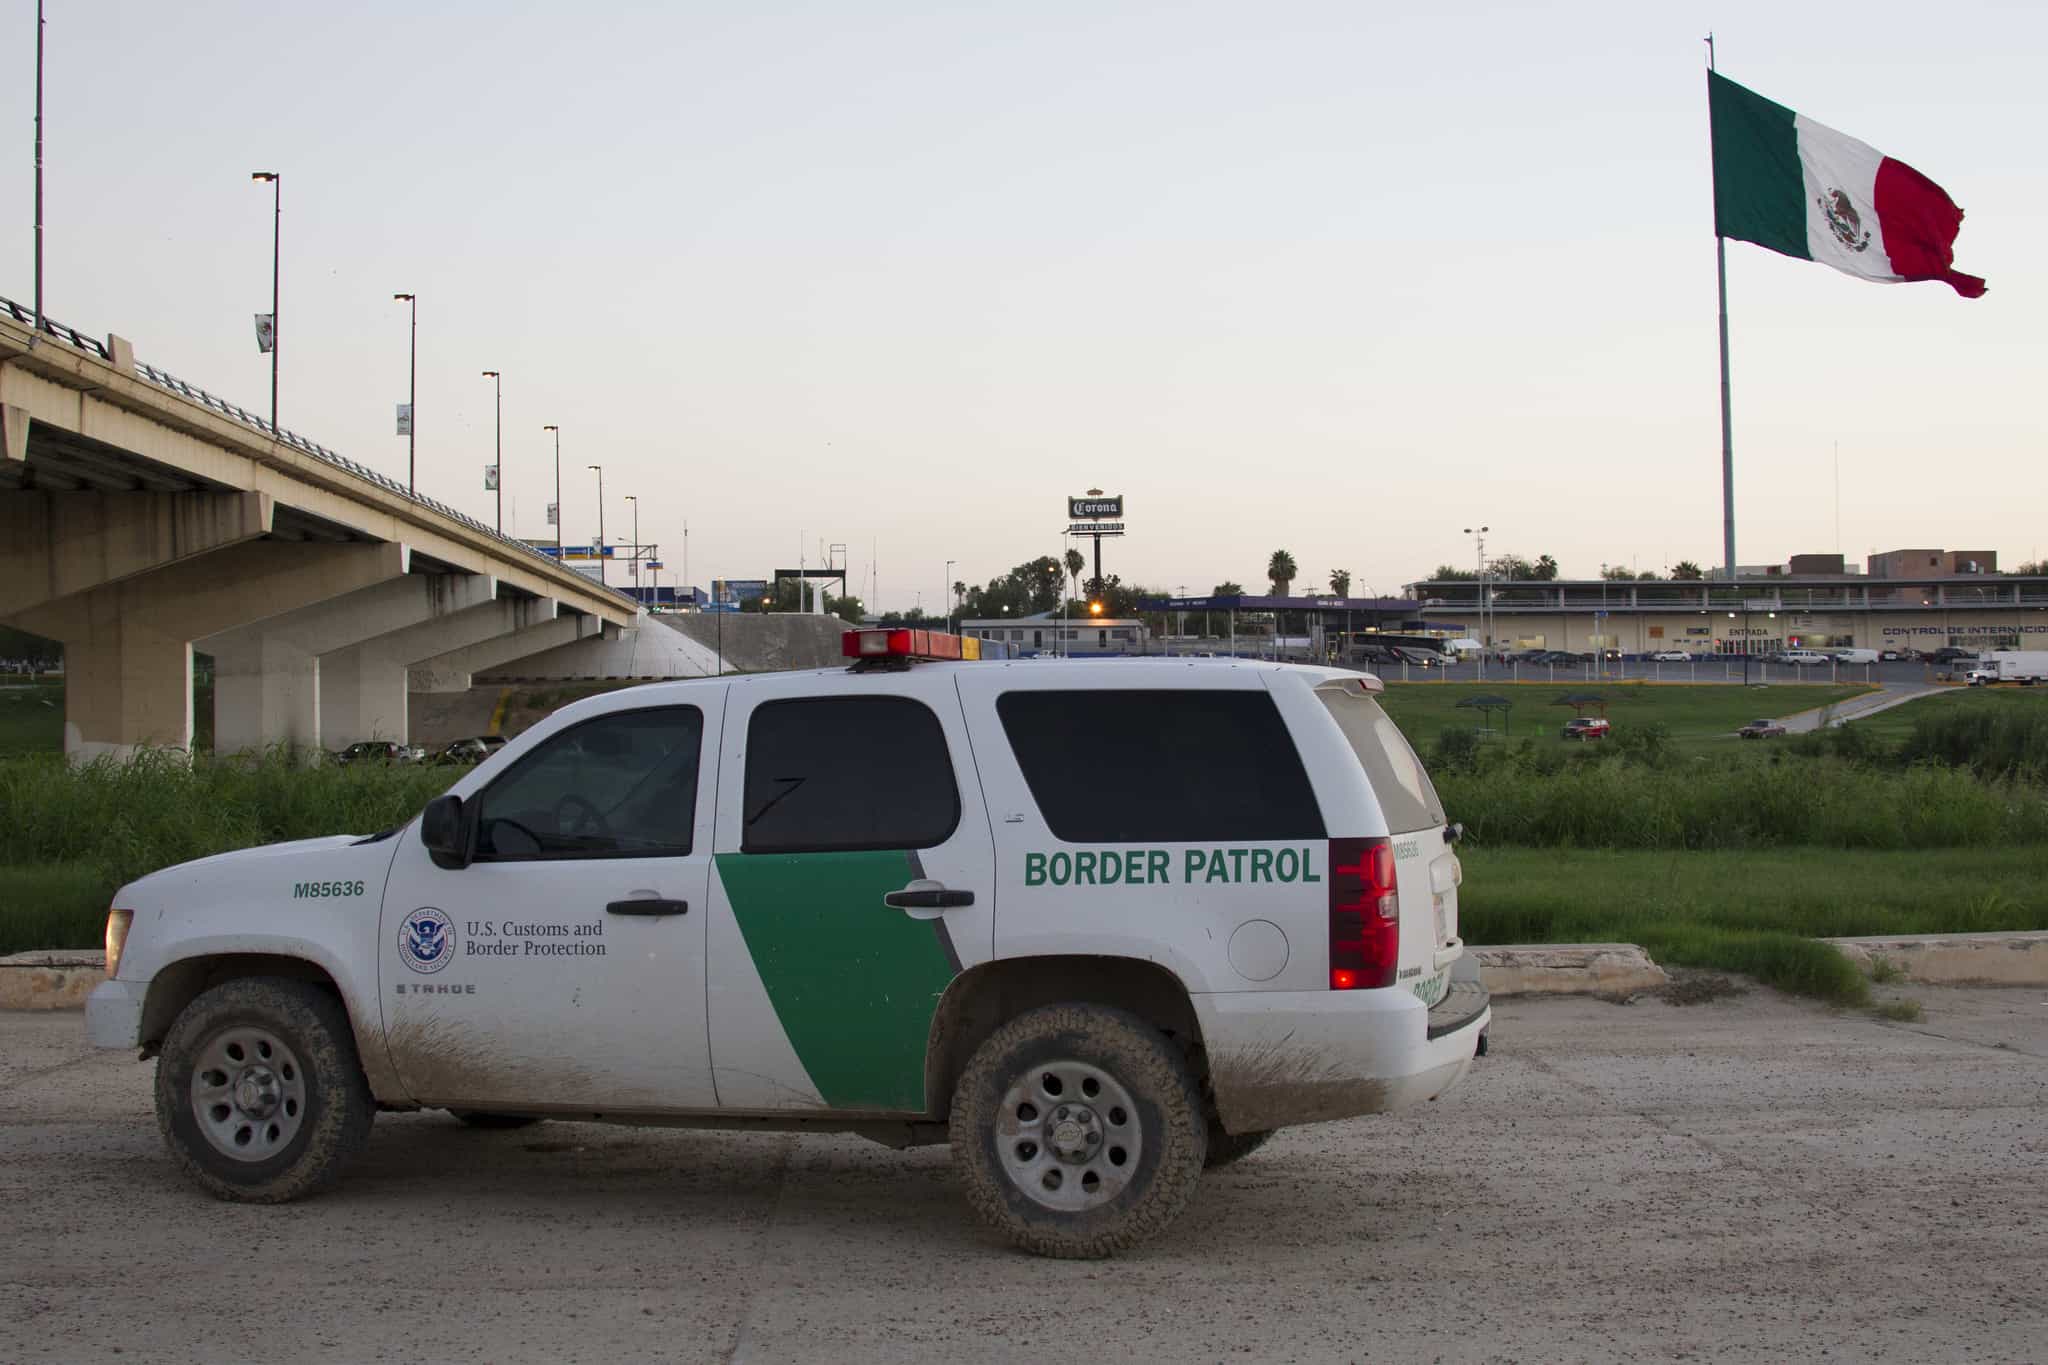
(1752, 1178)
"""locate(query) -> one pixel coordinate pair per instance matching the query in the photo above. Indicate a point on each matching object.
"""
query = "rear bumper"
(1278, 1058)
(113, 1013)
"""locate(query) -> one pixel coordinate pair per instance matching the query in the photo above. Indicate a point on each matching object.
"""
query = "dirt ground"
(1747, 1178)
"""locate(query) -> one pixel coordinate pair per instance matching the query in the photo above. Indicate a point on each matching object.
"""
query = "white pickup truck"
(1096, 924)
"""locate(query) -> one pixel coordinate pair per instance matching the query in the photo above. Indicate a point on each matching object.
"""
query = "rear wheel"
(259, 1092)
(1078, 1131)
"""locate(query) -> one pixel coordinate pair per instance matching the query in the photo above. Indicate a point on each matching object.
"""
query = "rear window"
(1405, 793)
(1160, 766)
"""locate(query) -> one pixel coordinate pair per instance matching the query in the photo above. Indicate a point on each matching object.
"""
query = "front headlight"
(117, 939)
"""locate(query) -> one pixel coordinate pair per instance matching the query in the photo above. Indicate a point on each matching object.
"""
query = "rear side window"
(1160, 767)
(1405, 794)
(831, 774)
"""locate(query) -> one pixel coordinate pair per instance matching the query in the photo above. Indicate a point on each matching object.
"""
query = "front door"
(855, 880)
(563, 969)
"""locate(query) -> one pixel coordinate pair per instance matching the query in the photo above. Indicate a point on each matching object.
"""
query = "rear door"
(855, 879)
(1427, 871)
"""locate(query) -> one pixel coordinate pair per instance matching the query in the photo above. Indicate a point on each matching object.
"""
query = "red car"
(1762, 729)
(1586, 727)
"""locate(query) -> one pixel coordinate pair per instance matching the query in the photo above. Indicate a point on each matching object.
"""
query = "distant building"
(1045, 633)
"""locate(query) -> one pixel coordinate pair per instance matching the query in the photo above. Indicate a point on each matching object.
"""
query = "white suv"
(1097, 924)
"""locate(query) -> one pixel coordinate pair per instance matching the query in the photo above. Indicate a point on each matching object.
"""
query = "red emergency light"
(907, 644)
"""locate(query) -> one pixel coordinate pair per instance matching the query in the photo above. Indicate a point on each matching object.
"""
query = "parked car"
(772, 901)
(1586, 727)
(475, 749)
(1801, 658)
(1671, 656)
(1948, 654)
(1855, 656)
(1889, 656)
(377, 751)
(1762, 729)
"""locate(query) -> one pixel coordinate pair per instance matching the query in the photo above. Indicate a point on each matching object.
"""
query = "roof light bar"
(909, 645)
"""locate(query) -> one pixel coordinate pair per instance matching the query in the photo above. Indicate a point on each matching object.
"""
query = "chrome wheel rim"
(1068, 1136)
(248, 1093)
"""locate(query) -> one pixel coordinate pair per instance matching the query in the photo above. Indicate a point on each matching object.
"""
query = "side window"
(1160, 767)
(622, 785)
(831, 774)
(1398, 780)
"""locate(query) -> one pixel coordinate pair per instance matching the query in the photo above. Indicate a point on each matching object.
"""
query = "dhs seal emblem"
(426, 941)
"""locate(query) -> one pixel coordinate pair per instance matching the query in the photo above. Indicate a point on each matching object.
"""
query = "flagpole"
(1727, 420)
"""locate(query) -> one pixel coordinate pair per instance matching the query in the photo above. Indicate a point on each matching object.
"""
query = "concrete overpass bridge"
(142, 519)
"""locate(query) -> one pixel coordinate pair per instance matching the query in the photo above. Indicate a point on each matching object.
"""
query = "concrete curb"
(1613, 970)
(49, 980)
(2012, 959)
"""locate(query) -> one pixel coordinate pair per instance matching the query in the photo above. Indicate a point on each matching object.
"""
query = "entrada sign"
(1082, 509)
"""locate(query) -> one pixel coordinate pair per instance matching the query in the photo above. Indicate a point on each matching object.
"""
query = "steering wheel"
(576, 816)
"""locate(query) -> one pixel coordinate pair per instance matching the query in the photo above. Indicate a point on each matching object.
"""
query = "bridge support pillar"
(363, 688)
(451, 672)
(127, 644)
(266, 677)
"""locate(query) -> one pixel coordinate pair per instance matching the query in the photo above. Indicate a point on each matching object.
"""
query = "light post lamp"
(636, 543)
(950, 600)
(276, 181)
(600, 525)
(498, 445)
(558, 490)
(412, 385)
(1478, 534)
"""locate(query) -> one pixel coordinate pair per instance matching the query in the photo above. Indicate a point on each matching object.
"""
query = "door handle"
(648, 906)
(927, 896)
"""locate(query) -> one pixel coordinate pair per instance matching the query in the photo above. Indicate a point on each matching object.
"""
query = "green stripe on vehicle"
(853, 982)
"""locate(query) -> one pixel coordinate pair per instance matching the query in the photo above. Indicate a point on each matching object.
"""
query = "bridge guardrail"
(234, 412)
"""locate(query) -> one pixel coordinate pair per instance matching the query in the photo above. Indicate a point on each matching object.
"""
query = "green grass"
(1696, 715)
(1894, 727)
(31, 718)
(60, 905)
(1757, 913)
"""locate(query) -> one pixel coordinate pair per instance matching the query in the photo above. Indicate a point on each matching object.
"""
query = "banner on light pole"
(405, 419)
(266, 332)
(554, 514)
(490, 478)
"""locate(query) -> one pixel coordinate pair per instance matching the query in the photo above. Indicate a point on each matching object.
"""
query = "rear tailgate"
(1427, 870)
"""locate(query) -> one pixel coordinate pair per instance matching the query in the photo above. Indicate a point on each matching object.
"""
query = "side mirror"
(1453, 832)
(444, 831)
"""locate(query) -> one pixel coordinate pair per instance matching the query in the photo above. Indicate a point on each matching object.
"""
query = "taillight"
(1365, 914)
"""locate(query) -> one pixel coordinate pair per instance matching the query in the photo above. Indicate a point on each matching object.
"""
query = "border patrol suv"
(1099, 924)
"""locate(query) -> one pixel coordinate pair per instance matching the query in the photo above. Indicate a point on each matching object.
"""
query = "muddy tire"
(483, 1119)
(1077, 1131)
(259, 1092)
(1228, 1148)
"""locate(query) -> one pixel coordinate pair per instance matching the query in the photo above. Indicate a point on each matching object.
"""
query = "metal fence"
(234, 412)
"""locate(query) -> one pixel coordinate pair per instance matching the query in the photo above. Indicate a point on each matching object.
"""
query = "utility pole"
(498, 449)
(276, 180)
(38, 334)
(948, 586)
(412, 396)
(600, 525)
(636, 543)
(558, 490)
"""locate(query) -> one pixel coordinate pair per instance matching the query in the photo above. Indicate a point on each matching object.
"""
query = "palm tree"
(1076, 562)
(1340, 582)
(1281, 570)
(1687, 571)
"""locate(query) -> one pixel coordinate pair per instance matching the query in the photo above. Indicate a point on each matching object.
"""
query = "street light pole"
(600, 525)
(276, 179)
(636, 543)
(39, 173)
(412, 396)
(558, 490)
(948, 585)
(1478, 535)
(498, 444)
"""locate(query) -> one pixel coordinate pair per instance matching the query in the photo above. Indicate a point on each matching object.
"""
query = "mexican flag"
(1787, 183)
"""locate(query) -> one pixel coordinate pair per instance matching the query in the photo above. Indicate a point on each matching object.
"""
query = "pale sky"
(1333, 277)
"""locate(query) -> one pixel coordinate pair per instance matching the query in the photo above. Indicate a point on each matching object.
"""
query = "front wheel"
(1078, 1131)
(259, 1092)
